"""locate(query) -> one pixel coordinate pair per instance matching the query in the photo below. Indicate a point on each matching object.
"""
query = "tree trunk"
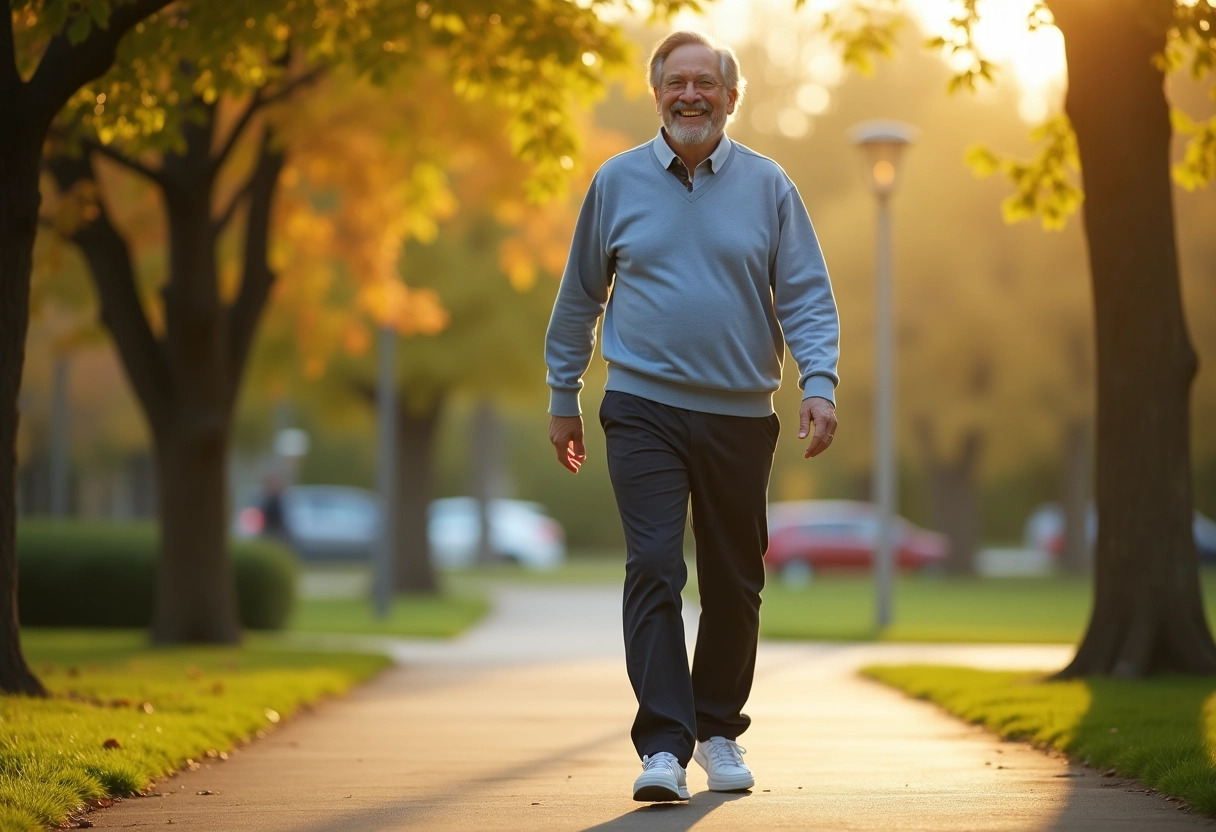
(416, 429)
(20, 151)
(1075, 493)
(29, 106)
(195, 598)
(195, 591)
(1148, 613)
(954, 502)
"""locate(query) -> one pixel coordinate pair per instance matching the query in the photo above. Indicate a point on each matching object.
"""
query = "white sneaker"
(722, 760)
(662, 778)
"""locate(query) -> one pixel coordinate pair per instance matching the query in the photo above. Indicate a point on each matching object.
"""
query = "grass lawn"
(422, 617)
(122, 713)
(1161, 732)
(937, 608)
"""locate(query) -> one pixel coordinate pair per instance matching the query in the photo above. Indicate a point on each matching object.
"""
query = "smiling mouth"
(691, 113)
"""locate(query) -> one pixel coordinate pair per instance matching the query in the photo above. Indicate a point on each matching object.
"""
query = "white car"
(342, 523)
(520, 532)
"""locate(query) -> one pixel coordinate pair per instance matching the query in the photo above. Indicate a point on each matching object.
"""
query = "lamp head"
(882, 142)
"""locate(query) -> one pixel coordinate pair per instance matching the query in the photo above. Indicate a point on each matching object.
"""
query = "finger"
(563, 454)
(571, 456)
(804, 422)
(825, 432)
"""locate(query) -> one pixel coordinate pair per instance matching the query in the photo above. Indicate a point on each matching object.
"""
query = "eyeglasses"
(701, 85)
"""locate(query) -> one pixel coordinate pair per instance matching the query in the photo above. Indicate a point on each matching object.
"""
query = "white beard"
(686, 134)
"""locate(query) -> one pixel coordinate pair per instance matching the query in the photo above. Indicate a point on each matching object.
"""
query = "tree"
(481, 262)
(78, 46)
(187, 375)
(1148, 614)
(1148, 611)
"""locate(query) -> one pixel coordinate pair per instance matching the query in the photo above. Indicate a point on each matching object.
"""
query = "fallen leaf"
(206, 791)
(111, 743)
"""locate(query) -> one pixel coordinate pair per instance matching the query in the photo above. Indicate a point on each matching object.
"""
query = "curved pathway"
(523, 725)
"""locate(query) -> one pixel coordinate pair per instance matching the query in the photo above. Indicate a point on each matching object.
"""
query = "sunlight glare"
(1032, 60)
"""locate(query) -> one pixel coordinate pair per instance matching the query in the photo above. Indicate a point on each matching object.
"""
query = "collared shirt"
(707, 168)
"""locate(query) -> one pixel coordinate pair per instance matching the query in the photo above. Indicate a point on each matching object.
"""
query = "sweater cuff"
(564, 403)
(819, 387)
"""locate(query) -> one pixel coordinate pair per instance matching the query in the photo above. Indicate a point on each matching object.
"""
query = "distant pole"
(884, 421)
(61, 439)
(386, 472)
(883, 143)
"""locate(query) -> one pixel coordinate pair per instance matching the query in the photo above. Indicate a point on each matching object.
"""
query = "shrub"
(76, 573)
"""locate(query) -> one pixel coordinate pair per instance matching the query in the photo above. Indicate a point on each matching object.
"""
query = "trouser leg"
(731, 461)
(647, 462)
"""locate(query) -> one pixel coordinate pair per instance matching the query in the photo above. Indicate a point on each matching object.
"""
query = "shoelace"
(727, 752)
(660, 759)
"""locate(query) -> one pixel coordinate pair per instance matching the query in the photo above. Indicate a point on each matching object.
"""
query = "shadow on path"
(669, 817)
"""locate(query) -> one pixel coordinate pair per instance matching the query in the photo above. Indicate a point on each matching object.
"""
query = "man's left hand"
(822, 414)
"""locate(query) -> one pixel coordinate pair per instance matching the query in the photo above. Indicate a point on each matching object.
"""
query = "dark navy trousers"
(661, 459)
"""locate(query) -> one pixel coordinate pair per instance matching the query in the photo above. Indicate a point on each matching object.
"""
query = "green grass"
(1048, 610)
(422, 617)
(160, 707)
(1161, 731)
(929, 608)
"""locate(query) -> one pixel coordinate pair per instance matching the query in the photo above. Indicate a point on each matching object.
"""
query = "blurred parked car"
(520, 532)
(342, 523)
(320, 522)
(808, 536)
(1044, 531)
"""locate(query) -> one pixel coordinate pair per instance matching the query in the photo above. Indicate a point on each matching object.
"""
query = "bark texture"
(1148, 614)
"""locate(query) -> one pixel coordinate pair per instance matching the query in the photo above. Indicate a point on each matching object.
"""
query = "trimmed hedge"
(76, 573)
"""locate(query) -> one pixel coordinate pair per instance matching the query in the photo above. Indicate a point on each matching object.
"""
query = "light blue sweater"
(700, 291)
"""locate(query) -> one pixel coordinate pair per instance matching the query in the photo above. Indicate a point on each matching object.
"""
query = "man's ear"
(732, 97)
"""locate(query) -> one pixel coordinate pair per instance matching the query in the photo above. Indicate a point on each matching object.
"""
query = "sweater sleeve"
(581, 299)
(803, 300)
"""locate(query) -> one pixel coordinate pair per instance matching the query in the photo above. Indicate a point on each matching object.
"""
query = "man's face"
(691, 97)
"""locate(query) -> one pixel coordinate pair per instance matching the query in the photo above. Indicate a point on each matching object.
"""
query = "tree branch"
(217, 225)
(256, 103)
(110, 265)
(257, 278)
(66, 67)
(116, 155)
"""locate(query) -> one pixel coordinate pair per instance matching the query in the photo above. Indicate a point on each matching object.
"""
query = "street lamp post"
(882, 143)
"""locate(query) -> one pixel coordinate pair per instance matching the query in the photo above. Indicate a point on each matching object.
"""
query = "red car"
(812, 535)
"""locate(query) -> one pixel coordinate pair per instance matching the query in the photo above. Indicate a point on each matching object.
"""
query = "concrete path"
(523, 725)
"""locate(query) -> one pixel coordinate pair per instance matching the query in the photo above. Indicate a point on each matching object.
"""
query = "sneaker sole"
(658, 792)
(732, 784)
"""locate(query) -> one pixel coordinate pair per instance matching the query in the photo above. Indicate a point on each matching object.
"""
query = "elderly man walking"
(700, 256)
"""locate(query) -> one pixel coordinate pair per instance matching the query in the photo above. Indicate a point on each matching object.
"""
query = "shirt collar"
(664, 153)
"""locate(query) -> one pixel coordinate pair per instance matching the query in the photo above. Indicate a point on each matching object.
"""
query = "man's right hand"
(566, 434)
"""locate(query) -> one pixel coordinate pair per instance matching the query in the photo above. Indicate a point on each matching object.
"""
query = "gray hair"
(728, 64)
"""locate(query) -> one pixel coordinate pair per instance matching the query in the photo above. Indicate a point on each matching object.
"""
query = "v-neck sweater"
(700, 290)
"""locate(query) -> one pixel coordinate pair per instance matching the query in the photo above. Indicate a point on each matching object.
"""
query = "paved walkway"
(523, 725)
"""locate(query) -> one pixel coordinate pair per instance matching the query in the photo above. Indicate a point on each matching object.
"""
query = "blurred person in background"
(701, 257)
(274, 525)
